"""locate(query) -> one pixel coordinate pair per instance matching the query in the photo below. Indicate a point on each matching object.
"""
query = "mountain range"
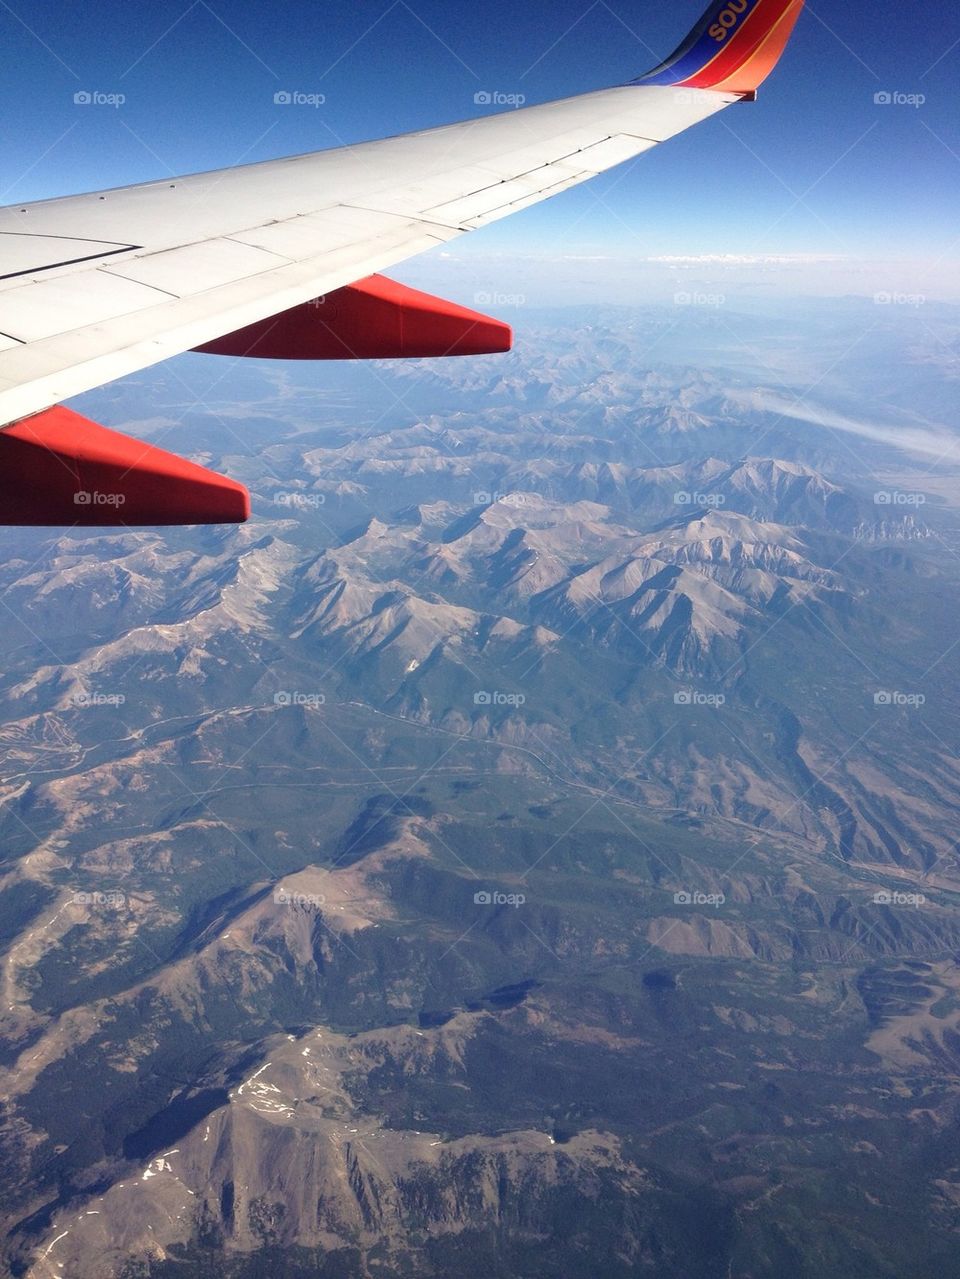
(527, 847)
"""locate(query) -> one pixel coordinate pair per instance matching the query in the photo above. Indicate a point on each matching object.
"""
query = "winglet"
(733, 48)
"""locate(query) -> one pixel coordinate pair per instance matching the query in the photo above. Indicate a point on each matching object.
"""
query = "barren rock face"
(291, 1159)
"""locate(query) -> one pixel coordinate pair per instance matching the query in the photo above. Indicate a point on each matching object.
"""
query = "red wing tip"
(58, 468)
(375, 318)
(231, 504)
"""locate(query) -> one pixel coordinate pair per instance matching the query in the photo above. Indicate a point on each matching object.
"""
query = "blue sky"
(816, 171)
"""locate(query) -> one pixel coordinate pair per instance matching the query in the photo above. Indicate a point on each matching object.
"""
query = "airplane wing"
(280, 260)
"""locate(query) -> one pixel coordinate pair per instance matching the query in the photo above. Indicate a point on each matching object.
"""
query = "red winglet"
(60, 468)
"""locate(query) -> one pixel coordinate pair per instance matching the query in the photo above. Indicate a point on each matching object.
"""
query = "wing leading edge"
(229, 261)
